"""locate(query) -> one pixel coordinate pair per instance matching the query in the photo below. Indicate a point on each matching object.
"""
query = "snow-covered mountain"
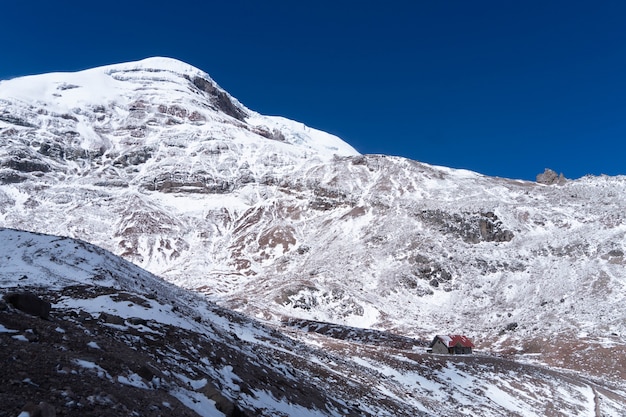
(156, 163)
(119, 339)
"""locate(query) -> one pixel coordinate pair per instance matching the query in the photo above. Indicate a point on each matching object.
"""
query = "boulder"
(42, 410)
(549, 177)
(223, 404)
(29, 303)
(511, 326)
(111, 319)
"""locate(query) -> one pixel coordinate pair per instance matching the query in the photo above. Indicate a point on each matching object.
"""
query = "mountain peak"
(167, 77)
(154, 162)
(157, 63)
(156, 104)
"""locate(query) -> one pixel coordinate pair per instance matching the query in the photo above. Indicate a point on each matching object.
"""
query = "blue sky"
(502, 88)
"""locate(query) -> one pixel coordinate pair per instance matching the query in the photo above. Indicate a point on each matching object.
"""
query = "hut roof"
(451, 340)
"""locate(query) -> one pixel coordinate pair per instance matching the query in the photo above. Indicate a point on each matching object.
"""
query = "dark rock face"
(430, 271)
(24, 161)
(275, 134)
(220, 98)
(111, 319)
(491, 230)
(11, 177)
(511, 326)
(471, 227)
(8, 118)
(133, 158)
(27, 165)
(29, 303)
(222, 403)
(53, 150)
(200, 182)
(43, 409)
(328, 198)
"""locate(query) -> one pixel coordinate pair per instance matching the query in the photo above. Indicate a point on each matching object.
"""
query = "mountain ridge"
(280, 221)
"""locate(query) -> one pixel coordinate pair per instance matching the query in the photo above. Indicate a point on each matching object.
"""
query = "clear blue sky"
(499, 87)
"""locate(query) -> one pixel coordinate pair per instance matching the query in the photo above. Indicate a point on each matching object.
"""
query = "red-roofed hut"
(453, 344)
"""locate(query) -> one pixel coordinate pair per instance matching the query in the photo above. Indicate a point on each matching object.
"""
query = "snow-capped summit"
(158, 63)
(119, 84)
(152, 98)
(88, 79)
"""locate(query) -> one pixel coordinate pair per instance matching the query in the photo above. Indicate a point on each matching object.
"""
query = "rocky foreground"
(82, 331)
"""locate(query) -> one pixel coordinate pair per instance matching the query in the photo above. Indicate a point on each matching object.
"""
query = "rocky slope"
(154, 162)
(98, 333)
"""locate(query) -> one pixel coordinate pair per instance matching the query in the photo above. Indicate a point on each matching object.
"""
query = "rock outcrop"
(550, 177)
(29, 303)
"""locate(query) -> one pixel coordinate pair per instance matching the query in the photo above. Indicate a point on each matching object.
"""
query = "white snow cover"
(263, 209)
(157, 80)
(278, 220)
